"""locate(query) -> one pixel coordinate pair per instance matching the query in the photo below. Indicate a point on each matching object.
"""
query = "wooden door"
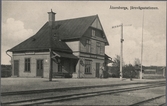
(97, 69)
(40, 68)
(16, 68)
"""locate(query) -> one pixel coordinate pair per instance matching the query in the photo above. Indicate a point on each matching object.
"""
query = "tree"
(129, 71)
(137, 64)
(115, 69)
(116, 62)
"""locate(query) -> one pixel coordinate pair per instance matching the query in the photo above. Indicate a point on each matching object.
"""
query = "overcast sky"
(20, 20)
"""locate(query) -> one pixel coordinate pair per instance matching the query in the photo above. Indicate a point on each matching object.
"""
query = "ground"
(119, 99)
(21, 84)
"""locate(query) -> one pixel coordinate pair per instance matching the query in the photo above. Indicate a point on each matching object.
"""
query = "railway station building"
(75, 46)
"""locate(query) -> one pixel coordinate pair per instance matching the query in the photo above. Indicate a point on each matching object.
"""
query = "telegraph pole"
(121, 51)
(142, 47)
(121, 54)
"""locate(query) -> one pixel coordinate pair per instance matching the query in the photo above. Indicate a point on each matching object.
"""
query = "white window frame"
(93, 32)
(88, 66)
(88, 45)
(27, 64)
(98, 47)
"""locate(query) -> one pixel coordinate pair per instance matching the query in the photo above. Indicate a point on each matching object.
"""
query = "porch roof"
(64, 55)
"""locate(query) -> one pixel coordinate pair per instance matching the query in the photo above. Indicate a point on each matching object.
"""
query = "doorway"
(39, 68)
(16, 68)
(97, 69)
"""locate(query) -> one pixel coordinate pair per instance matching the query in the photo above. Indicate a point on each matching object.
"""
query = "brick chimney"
(51, 18)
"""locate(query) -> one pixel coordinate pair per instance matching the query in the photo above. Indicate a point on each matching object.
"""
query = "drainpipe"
(79, 48)
(8, 54)
(11, 61)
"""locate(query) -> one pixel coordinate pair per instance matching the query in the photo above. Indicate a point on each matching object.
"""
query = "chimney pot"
(51, 17)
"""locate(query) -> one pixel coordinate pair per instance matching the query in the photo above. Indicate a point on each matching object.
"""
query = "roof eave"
(103, 31)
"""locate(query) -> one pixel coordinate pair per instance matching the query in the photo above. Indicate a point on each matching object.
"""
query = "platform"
(24, 84)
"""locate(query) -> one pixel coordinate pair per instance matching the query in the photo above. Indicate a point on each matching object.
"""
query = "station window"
(98, 48)
(88, 46)
(27, 65)
(88, 65)
(93, 32)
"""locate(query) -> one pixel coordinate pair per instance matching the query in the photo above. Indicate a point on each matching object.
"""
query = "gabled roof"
(66, 30)
(74, 28)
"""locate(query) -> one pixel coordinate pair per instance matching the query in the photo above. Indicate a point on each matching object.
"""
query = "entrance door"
(16, 68)
(97, 69)
(40, 68)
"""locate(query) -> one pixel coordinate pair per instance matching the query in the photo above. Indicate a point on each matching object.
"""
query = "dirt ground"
(22, 84)
(118, 99)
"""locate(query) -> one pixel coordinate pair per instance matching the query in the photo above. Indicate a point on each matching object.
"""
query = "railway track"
(78, 95)
(70, 88)
(151, 100)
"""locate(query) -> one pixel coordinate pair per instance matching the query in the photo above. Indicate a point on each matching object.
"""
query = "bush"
(112, 75)
(113, 72)
(6, 73)
(128, 71)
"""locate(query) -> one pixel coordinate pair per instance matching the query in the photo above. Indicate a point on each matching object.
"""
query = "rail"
(78, 95)
(148, 100)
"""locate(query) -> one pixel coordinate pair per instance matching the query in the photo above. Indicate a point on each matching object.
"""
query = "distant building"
(154, 71)
(75, 46)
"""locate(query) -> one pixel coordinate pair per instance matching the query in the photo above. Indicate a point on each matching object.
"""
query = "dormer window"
(93, 32)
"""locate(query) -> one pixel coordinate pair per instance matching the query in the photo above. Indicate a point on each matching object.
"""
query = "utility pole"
(142, 47)
(121, 54)
(121, 51)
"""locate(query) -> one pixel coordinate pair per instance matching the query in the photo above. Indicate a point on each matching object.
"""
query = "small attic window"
(93, 32)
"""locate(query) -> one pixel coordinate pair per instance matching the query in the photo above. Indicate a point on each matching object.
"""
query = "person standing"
(131, 72)
(102, 71)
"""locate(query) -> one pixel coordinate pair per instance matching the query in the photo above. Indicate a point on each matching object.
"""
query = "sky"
(22, 19)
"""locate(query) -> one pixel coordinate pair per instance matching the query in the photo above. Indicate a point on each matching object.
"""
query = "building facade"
(154, 72)
(74, 46)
